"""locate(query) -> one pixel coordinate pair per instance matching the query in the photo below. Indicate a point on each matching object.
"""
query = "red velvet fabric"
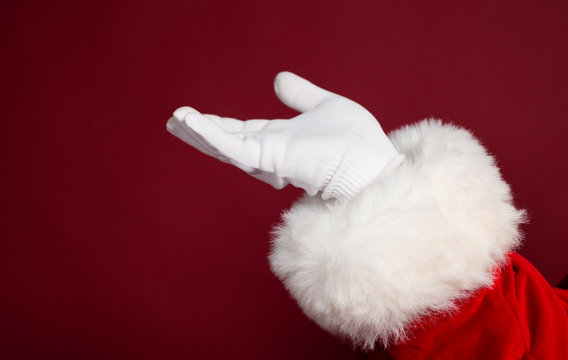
(520, 317)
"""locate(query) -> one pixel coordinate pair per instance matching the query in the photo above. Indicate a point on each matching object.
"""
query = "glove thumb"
(298, 93)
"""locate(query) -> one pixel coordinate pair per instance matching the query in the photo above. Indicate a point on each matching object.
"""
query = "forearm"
(428, 231)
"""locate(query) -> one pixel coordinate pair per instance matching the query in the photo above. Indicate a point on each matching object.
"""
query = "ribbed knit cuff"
(367, 156)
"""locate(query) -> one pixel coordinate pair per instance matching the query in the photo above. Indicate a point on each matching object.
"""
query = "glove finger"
(227, 123)
(189, 135)
(242, 151)
(181, 112)
(180, 130)
(298, 93)
(236, 126)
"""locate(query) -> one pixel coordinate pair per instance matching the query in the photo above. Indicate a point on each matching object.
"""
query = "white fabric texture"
(335, 146)
(428, 231)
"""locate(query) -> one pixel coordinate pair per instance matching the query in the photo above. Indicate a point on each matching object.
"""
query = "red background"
(119, 241)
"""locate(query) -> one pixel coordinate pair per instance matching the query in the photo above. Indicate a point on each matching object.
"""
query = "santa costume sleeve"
(419, 264)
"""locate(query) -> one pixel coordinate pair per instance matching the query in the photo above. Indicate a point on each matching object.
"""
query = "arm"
(405, 226)
(426, 233)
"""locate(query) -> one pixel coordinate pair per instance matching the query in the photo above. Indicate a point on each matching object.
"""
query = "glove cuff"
(369, 154)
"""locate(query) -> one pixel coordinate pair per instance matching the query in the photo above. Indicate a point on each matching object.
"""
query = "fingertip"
(282, 74)
(192, 120)
(171, 125)
(285, 87)
(281, 79)
(181, 112)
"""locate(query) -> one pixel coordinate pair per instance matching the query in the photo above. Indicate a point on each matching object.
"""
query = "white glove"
(334, 146)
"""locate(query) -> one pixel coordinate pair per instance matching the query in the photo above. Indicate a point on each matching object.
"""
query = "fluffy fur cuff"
(428, 231)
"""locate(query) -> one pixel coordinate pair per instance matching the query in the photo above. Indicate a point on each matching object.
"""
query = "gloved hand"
(335, 146)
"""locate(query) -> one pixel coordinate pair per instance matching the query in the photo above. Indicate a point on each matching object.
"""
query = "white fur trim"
(428, 231)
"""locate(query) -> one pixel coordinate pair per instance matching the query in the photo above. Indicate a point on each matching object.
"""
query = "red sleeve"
(542, 310)
(520, 317)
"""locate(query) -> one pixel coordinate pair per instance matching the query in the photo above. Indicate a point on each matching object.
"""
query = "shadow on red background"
(119, 241)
